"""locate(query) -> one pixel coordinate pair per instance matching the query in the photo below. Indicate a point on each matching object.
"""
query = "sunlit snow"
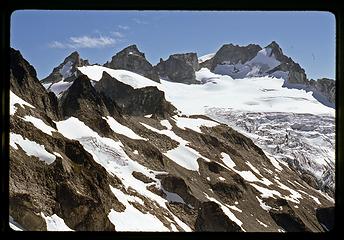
(38, 123)
(121, 129)
(182, 154)
(247, 94)
(55, 223)
(31, 148)
(14, 99)
(135, 80)
(193, 123)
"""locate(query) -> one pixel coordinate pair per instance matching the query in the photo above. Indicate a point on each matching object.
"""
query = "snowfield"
(39, 124)
(55, 223)
(135, 80)
(138, 221)
(256, 94)
(193, 123)
(183, 155)
(14, 99)
(31, 148)
(121, 129)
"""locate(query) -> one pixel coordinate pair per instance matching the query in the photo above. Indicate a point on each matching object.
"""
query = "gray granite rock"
(179, 68)
(133, 60)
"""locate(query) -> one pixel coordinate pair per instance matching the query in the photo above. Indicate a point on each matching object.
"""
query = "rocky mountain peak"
(273, 45)
(74, 57)
(20, 66)
(277, 51)
(81, 85)
(131, 59)
(132, 49)
(179, 68)
(67, 70)
(234, 54)
(81, 100)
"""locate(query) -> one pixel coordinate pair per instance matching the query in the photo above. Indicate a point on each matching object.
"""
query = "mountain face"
(117, 152)
(179, 68)
(133, 60)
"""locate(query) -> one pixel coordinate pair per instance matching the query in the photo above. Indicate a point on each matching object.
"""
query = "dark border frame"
(9, 6)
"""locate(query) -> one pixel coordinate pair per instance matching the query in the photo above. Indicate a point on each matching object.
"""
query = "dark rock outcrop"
(179, 68)
(231, 191)
(177, 185)
(286, 217)
(67, 70)
(24, 83)
(326, 217)
(234, 54)
(133, 60)
(325, 87)
(211, 218)
(141, 101)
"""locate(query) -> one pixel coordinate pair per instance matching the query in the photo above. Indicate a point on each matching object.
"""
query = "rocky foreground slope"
(95, 159)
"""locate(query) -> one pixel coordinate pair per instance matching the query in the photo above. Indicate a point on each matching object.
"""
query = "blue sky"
(45, 38)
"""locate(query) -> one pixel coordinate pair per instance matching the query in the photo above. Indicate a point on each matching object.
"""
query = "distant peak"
(74, 57)
(131, 49)
(74, 54)
(276, 50)
(273, 44)
(133, 46)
